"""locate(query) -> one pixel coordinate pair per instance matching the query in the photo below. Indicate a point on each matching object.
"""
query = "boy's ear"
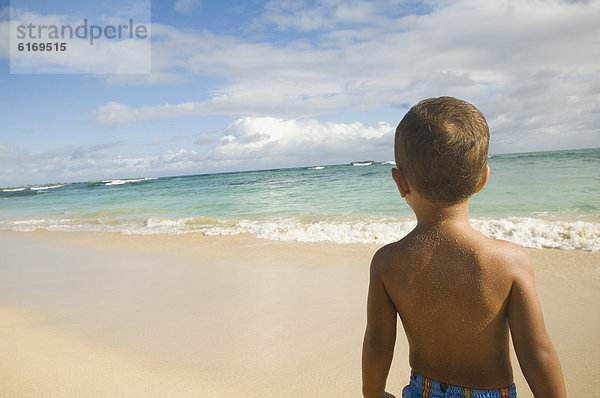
(401, 181)
(484, 178)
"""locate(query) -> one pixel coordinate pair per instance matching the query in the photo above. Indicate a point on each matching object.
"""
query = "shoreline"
(107, 314)
(533, 231)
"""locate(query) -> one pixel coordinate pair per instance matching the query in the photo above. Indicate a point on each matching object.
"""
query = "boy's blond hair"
(441, 146)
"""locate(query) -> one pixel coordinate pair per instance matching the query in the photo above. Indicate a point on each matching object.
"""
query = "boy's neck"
(434, 213)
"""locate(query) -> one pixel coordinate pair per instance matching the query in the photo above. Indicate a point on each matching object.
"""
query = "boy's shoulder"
(509, 254)
(506, 255)
(394, 256)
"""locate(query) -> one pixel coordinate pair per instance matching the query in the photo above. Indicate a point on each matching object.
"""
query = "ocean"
(538, 199)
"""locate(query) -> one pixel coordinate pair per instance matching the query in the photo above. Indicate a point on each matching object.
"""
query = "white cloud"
(185, 6)
(305, 16)
(115, 113)
(545, 110)
(248, 142)
(149, 79)
(4, 32)
(296, 141)
(68, 164)
(532, 66)
(204, 139)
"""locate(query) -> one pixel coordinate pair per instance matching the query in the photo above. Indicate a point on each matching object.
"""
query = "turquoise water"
(541, 199)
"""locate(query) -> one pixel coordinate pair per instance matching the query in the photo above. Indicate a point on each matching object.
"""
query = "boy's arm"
(380, 336)
(537, 357)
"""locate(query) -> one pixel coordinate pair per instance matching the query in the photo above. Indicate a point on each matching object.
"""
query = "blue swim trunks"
(423, 387)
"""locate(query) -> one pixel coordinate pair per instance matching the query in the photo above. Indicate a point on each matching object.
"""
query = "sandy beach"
(112, 315)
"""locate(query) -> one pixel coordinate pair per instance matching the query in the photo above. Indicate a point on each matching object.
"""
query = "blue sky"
(240, 85)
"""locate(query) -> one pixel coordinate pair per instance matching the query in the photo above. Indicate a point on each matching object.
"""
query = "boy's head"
(441, 147)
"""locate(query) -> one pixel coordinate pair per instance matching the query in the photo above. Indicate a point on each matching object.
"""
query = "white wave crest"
(121, 182)
(541, 233)
(46, 187)
(338, 232)
(524, 231)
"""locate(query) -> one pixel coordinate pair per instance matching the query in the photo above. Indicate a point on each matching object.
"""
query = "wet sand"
(110, 315)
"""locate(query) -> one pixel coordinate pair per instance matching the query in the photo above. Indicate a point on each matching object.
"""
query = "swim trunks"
(424, 387)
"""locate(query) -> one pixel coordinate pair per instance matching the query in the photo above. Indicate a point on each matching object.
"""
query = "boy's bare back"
(451, 287)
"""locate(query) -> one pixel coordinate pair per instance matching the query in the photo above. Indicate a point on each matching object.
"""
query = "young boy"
(456, 291)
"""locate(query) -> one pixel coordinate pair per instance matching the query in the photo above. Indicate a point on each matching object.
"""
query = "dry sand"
(109, 315)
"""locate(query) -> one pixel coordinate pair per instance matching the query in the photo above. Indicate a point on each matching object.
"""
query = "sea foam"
(524, 231)
(129, 180)
(45, 187)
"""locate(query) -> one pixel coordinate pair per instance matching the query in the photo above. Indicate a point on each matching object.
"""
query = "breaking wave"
(525, 231)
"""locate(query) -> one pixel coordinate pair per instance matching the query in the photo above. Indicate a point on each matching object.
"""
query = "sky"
(246, 85)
